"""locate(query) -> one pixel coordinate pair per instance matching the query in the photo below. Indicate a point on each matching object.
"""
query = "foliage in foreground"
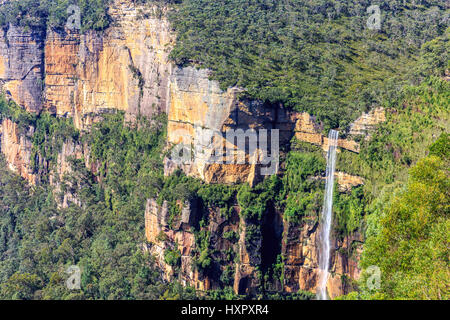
(409, 239)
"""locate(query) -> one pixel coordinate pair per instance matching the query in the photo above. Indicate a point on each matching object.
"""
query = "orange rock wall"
(301, 258)
(17, 149)
(124, 68)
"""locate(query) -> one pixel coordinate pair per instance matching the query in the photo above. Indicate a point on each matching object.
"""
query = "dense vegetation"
(315, 56)
(408, 239)
(406, 199)
(41, 14)
(39, 240)
(410, 244)
(415, 119)
(302, 192)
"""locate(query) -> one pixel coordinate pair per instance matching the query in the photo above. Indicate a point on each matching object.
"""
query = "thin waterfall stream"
(326, 219)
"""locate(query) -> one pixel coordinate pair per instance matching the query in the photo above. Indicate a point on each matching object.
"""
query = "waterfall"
(326, 219)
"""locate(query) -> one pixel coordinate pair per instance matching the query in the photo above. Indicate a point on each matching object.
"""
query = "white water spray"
(325, 223)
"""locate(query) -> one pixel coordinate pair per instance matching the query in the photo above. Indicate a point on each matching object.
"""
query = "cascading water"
(325, 229)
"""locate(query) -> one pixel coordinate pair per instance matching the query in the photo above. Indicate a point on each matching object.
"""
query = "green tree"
(411, 245)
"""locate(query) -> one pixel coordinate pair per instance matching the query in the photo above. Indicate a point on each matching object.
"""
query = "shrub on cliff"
(172, 257)
(11, 110)
(302, 191)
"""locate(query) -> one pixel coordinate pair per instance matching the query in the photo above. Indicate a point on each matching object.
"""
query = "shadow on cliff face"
(272, 231)
(243, 284)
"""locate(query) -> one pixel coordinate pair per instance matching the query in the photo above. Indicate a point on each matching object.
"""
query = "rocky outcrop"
(297, 243)
(300, 257)
(179, 238)
(201, 115)
(179, 235)
(446, 76)
(246, 280)
(367, 122)
(233, 254)
(197, 112)
(347, 181)
(307, 130)
(63, 177)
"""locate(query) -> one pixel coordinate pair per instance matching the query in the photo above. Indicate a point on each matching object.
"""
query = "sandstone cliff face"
(346, 181)
(301, 270)
(180, 236)
(63, 168)
(246, 278)
(22, 67)
(198, 109)
(86, 75)
(306, 129)
(16, 145)
(202, 120)
(297, 243)
(125, 68)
